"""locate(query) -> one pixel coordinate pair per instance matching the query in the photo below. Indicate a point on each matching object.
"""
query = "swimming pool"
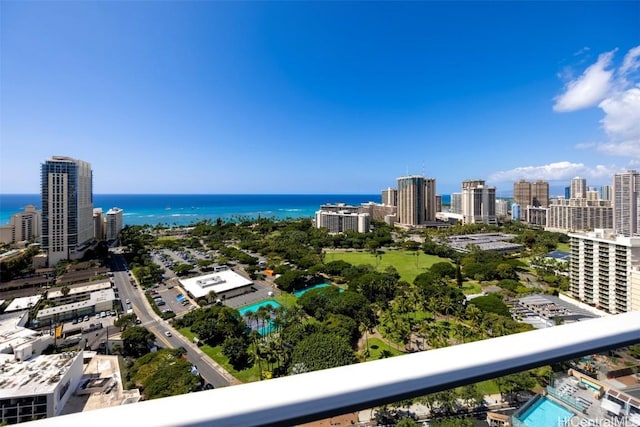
(545, 413)
(305, 290)
(256, 306)
(263, 327)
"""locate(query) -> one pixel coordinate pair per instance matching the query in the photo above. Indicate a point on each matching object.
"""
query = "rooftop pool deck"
(544, 412)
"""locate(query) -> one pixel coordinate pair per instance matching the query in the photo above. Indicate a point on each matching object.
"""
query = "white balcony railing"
(316, 395)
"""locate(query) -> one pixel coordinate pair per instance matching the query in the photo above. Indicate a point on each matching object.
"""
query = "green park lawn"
(564, 247)
(408, 264)
(471, 287)
(286, 299)
(488, 387)
(377, 346)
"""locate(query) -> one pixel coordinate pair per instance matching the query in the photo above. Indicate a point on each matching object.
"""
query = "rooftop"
(218, 282)
(38, 375)
(80, 289)
(24, 303)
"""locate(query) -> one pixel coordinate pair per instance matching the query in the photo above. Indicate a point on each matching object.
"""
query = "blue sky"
(318, 97)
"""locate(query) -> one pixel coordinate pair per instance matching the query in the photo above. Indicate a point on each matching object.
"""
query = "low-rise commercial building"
(226, 284)
(102, 300)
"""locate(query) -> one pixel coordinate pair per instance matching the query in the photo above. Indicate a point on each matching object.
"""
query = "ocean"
(186, 209)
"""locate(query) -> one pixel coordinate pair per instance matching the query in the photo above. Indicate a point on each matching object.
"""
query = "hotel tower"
(67, 208)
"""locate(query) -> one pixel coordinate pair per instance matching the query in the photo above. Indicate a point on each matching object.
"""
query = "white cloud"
(622, 149)
(622, 116)
(617, 93)
(585, 145)
(630, 62)
(558, 171)
(588, 89)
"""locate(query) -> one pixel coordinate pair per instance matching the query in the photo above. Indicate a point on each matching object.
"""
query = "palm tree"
(251, 316)
(365, 326)
(256, 349)
(212, 297)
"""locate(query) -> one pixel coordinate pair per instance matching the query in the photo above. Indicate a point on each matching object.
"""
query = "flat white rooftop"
(23, 303)
(12, 332)
(39, 375)
(81, 289)
(95, 298)
(219, 282)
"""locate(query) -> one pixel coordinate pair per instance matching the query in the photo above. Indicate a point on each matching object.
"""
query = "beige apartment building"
(23, 226)
(478, 202)
(603, 270)
(416, 200)
(579, 214)
(527, 193)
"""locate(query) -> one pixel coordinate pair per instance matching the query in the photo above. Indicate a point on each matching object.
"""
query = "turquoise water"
(305, 290)
(185, 209)
(262, 328)
(256, 306)
(545, 413)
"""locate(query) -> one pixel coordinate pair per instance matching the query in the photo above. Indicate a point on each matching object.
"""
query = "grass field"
(471, 287)
(408, 264)
(377, 346)
(564, 247)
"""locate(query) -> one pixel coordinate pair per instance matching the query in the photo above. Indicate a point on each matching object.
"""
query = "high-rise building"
(341, 221)
(23, 226)
(67, 207)
(540, 194)
(456, 203)
(578, 214)
(98, 224)
(478, 202)
(113, 223)
(537, 216)
(416, 200)
(530, 194)
(503, 207)
(626, 203)
(602, 267)
(390, 197)
(578, 188)
(515, 211)
(522, 192)
(430, 204)
(605, 192)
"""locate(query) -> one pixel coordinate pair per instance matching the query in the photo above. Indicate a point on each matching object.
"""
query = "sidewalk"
(203, 356)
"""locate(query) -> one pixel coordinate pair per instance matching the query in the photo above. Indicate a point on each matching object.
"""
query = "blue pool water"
(263, 327)
(545, 413)
(256, 306)
(305, 290)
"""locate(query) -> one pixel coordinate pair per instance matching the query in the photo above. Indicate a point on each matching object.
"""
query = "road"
(210, 371)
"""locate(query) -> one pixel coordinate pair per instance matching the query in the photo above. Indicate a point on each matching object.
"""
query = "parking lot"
(171, 297)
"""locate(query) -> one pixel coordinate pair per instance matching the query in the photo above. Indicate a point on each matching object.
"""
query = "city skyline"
(267, 98)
